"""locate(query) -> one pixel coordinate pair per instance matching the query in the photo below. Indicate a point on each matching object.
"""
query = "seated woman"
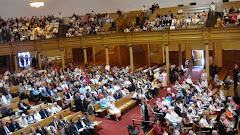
(187, 121)
(205, 126)
(113, 110)
(160, 105)
(103, 103)
(158, 129)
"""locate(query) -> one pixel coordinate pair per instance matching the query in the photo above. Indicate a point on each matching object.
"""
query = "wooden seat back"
(96, 106)
(151, 132)
(15, 99)
(74, 116)
(15, 105)
(14, 89)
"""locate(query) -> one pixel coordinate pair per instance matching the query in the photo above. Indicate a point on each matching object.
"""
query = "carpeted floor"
(110, 127)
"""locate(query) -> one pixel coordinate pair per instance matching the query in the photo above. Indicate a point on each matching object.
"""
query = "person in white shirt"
(22, 121)
(204, 82)
(51, 109)
(204, 124)
(107, 67)
(213, 7)
(172, 120)
(165, 102)
(36, 115)
(189, 80)
(56, 107)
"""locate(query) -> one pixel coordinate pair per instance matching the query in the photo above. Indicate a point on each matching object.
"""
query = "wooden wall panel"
(173, 57)
(230, 57)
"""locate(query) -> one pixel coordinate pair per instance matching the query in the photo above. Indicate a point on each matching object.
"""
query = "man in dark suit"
(43, 112)
(23, 106)
(235, 79)
(13, 126)
(55, 122)
(150, 74)
(4, 130)
(41, 130)
(67, 130)
(78, 102)
(82, 125)
(75, 129)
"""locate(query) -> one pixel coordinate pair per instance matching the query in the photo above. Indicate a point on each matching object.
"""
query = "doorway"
(198, 58)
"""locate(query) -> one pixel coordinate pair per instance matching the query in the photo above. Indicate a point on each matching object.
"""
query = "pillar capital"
(106, 46)
(129, 44)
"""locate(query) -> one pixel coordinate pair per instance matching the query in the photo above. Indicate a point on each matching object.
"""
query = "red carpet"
(110, 127)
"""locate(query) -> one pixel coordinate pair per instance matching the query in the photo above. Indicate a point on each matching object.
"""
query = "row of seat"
(45, 122)
(123, 104)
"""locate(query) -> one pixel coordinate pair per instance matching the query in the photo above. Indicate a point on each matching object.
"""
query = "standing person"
(164, 79)
(235, 79)
(145, 113)
(137, 20)
(213, 70)
(204, 82)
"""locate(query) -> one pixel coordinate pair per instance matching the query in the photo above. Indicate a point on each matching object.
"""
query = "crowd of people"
(194, 104)
(46, 27)
(88, 24)
(23, 28)
(83, 87)
(230, 16)
(170, 21)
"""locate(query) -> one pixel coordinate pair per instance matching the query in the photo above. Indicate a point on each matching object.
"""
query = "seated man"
(23, 106)
(43, 112)
(4, 130)
(228, 81)
(83, 126)
(41, 130)
(45, 96)
(56, 107)
(88, 121)
(138, 96)
(217, 81)
(75, 129)
(55, 122)
(13, 126)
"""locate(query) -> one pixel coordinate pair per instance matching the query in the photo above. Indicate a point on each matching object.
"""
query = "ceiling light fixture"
(37, 3)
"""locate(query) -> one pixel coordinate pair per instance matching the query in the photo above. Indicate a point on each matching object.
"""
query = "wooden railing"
(155, 37)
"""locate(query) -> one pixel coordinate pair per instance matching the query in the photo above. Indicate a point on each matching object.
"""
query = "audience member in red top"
(158, 129)
(234, 18)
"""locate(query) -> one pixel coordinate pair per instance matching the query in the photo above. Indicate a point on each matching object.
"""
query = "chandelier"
(37, 3)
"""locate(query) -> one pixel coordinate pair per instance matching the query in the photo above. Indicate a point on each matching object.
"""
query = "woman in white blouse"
(113, 110)
(204, 124)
